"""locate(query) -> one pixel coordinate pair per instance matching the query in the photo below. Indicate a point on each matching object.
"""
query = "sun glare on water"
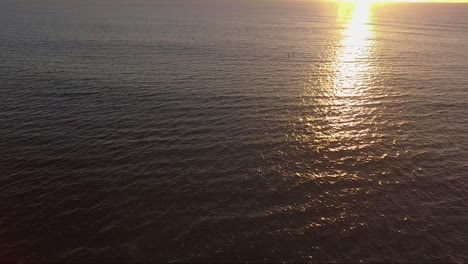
(351, 64)
(346, 82)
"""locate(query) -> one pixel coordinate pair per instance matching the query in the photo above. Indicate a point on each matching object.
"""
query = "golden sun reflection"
(351, 66)
(350, 82)
(340, 95)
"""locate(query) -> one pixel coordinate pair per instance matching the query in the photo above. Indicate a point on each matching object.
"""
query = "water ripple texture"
(235, 131)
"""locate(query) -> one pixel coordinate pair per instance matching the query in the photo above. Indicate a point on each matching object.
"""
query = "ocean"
(233, 131)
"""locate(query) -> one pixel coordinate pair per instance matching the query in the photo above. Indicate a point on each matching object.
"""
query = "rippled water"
(183, 131)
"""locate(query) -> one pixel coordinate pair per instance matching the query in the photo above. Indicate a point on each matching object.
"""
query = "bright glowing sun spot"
(381, 1)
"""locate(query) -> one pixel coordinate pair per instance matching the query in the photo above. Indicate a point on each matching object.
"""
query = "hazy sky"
(432, 1)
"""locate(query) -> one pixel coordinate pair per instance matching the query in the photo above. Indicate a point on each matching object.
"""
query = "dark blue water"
(233, 131)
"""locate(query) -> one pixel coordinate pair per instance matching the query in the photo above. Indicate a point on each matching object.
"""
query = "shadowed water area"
(233, 131)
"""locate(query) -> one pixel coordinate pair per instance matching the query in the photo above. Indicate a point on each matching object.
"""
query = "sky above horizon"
(404, 1)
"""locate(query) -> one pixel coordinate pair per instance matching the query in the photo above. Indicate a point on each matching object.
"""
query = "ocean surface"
(239, 131)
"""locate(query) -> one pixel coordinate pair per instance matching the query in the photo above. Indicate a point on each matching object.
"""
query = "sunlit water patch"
(246, 131)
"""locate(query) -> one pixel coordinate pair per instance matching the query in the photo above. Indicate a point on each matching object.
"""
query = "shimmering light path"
(181, 131)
